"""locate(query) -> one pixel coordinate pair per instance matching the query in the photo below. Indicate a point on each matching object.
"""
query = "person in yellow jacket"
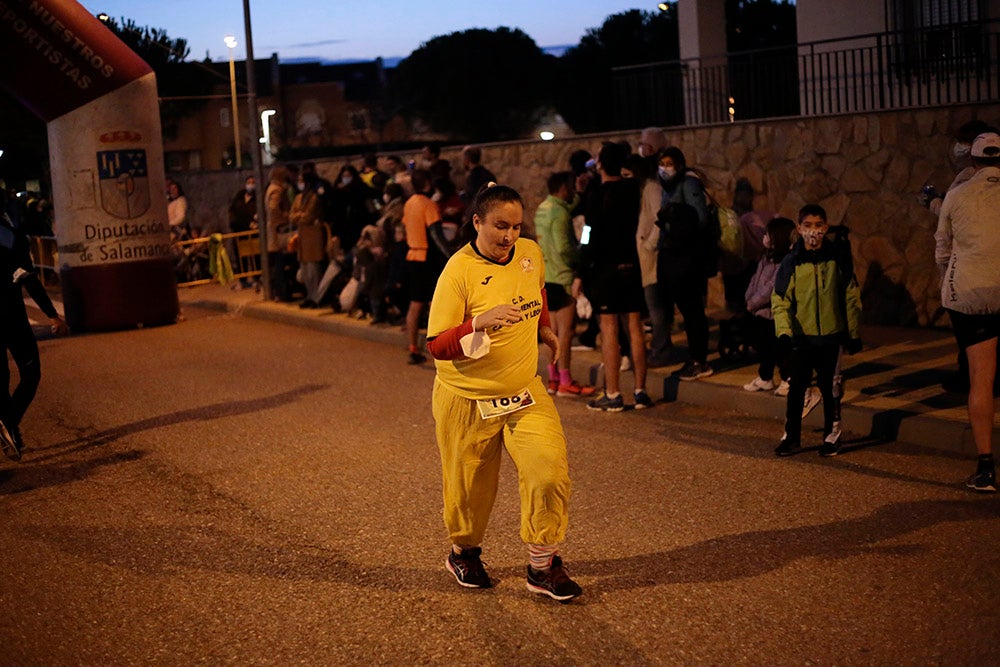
(488, 312)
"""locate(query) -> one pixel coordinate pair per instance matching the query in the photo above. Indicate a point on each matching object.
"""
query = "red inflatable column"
(106, 155)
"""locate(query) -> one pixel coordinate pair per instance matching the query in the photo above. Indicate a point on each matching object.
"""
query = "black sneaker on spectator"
(10, 446)
(984, 481)
(831, 443)
(554, 582)
(787, 447)
(416, 358)
(694, 370)
(468, 569)
(642, 400)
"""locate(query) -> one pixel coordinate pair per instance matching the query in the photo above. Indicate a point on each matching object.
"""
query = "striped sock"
(540, 556)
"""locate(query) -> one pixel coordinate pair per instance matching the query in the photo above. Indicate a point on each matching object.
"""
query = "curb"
(868, 426)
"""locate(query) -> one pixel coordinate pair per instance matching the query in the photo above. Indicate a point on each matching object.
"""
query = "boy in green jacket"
(817, 308)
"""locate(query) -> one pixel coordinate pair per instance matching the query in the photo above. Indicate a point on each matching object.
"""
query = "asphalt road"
(232, 491)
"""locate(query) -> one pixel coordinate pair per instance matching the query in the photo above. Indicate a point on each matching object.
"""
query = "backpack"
(719, 218)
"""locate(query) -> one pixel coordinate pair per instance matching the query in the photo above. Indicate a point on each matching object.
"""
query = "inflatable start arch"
(106, 153)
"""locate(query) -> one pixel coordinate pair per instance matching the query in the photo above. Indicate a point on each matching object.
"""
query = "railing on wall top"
(951, 64)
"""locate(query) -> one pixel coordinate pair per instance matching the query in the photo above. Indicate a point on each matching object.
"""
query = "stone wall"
(865, 169)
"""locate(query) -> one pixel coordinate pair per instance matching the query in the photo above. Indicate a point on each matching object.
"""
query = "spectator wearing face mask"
(960, 160)
(352, 206)
(243, 215)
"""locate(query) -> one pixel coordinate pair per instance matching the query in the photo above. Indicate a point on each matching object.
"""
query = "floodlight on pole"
(265, 123)
(103, 17)
(231, 43)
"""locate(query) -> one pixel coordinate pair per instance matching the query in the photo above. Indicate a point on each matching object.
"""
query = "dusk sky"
(354, 29)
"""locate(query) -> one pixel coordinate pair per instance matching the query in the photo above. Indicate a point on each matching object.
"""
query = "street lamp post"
(231, 43)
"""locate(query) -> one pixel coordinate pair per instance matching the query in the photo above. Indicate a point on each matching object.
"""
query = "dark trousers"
(802, 361)
(761, 335)
(688, 291)
(16, 335)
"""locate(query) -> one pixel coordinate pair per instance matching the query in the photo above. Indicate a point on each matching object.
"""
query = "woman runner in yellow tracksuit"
(486, 316)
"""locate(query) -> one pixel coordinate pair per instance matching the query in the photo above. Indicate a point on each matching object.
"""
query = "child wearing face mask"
(777, 243)
(817, 308)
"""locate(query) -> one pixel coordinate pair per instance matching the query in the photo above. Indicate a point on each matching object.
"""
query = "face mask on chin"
(666, 173)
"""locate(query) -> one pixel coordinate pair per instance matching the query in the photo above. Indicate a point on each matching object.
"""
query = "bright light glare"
(230, 41)
(546, 135)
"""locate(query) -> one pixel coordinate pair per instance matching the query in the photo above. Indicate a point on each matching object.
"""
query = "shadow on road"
(755, 553)
(31, 477)
(203, 413)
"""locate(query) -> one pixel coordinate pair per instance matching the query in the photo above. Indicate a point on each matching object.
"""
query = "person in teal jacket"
(554, 227)
(817, 309)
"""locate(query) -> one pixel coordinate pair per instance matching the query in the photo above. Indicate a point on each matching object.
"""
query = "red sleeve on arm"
(448, 345)
(543, 319)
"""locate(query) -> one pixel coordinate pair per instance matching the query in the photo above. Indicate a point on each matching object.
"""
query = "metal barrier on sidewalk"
(192, 259)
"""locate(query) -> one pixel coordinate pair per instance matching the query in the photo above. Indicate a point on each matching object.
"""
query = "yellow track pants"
(471, 448)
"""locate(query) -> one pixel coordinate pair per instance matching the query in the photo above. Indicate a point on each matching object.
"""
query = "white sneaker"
(782, 389)
(813, 397)
(759, 384)
(626, 364)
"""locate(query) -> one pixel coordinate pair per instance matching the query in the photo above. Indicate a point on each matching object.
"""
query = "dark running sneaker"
(11, 447)
(984, 481)
(416, 358)
(605, 404)
(694, 370)
(554, 582)
(642, 400)
(787, 447)
(468, 569)
(831, 443)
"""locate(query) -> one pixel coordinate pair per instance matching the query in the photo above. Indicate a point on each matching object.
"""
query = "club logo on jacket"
(527, 265)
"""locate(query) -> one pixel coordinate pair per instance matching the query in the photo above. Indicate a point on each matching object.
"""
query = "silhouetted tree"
(174, 76)
(476, 85)
(585, 94)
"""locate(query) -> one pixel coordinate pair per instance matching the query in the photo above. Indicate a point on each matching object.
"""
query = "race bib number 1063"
(496, 407)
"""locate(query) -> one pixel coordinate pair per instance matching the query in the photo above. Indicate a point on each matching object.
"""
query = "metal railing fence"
(950, 64)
